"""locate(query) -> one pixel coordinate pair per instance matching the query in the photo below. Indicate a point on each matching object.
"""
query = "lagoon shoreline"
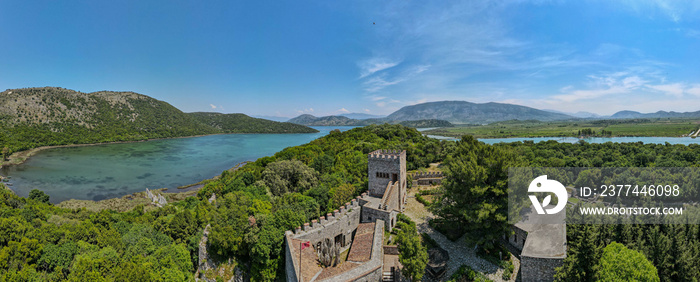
(20, 157)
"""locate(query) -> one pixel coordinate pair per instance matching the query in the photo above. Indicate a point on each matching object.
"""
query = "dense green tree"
(579, 264)
(39, 195)
(289, 176)
(618, 263)
(55, 257)
(132, 271)
(475, 190)
(342, 194)
(413, 254)
(18, 255)
(182, 226)
(5, 153)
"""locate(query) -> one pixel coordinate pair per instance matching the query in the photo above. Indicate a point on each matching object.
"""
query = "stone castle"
(357, 226)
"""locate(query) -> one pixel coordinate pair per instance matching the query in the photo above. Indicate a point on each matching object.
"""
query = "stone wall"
(370, 214)
(427, 178)
(290, 263)
(517, 239)
(539, 269)
(342, 221)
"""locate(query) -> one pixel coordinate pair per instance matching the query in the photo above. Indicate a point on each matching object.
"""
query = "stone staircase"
(388, 276)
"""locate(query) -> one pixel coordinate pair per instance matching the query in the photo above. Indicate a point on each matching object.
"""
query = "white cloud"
(419, 101)
(379, 82)
(469, 50)
(673, 89)
(590, 94)
(694, 90)
(306, 111)
(212, 106)
(366, 110)
(343, 110)
(620, 82)
(632, 82)
(373, 65)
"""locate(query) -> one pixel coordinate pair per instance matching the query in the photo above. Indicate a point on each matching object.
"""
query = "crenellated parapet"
(428, 178)
(433, 174)
(387, 154)
(343, 213)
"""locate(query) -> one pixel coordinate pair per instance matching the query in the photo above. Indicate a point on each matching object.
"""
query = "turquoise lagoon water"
(114, 170)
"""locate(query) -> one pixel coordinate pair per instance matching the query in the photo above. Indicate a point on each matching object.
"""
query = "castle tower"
(386, 166)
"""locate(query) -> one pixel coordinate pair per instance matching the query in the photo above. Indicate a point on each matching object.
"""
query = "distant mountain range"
(310, 120)
(579, 114)
(443, 113)
(473, 113)
(631, 114)
(461, 112)
(659, 114)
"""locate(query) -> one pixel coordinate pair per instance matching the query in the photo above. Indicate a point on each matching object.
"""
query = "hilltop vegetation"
(240, 123)
(33, 117)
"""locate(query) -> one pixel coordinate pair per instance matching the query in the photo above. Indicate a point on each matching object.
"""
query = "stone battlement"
(420, 175)
(387, 154)
(324, 222)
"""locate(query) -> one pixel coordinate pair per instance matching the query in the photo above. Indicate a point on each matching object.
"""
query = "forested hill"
(33, 117)
(240, 123)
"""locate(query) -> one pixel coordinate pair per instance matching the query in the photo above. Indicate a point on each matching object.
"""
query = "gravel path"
(459, 253)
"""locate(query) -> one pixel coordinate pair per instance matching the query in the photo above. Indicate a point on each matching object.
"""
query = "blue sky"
(284, 58)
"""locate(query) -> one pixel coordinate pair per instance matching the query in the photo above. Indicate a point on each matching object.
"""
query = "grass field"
(616, 128)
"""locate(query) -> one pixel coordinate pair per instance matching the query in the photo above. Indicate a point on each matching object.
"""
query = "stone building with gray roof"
(540, 243)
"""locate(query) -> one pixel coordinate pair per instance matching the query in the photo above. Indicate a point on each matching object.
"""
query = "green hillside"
(48, 116)
(240, 123)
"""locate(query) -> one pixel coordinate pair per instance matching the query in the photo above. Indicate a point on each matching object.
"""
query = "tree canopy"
(618, 263)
